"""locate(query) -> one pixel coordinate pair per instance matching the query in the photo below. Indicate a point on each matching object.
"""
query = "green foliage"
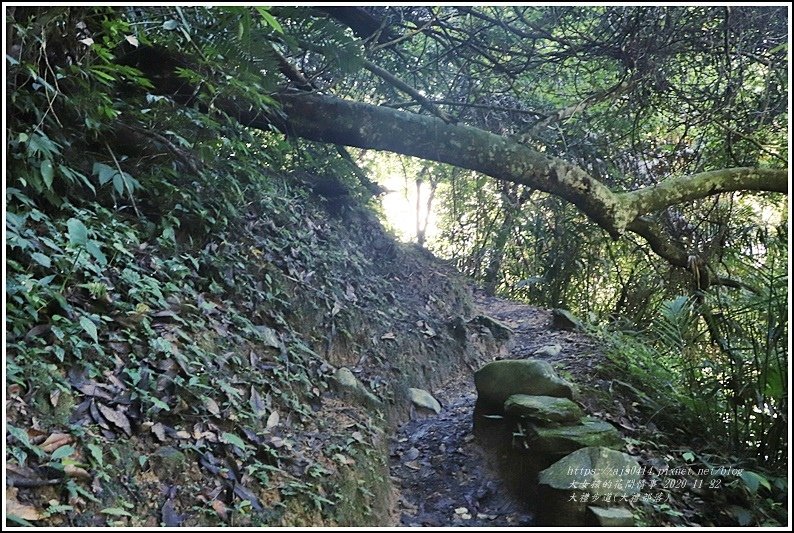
(150, 245)
(718, 353)
(155, 246)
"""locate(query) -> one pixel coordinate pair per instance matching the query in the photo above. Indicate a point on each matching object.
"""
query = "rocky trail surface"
(448, 477)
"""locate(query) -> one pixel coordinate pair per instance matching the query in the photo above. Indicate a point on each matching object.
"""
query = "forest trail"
(444, 474)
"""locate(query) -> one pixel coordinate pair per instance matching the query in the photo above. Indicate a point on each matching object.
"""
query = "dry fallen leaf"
(76, 472)
(212, 406)
(272, 420)
(14, 508)
(36, 436)
(97, 416)
(343, 459)
(55, 395)
(159, 431)
(220, 508)
(170, 517)
(97, 390)
(256, 402)
(55, 441)
(118, 418)
(23, 476)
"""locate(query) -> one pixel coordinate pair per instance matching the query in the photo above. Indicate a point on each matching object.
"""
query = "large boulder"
(499, 380)
(595, 471)
(564, 319)
(545, 410)
(566, 439)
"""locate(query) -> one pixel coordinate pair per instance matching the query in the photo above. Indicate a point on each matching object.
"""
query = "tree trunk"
(511, 206)
(334, 120)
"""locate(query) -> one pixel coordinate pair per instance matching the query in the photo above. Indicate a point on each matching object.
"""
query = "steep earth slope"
(248, 378)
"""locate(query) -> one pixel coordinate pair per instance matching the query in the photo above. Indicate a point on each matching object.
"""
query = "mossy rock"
(500, 331)
(566, 439)
(565, 320)
(347, 384)
(544, 410)
(499, 380)
(615, 472)
(610, 517)
(423, 399)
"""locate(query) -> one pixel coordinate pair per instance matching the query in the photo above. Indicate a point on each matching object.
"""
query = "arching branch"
(682, 189)
(344, 122)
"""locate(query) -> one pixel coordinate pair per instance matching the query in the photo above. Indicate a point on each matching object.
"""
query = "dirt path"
(446, 476)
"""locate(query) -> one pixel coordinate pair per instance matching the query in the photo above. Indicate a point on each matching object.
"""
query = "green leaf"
(22, 436)
(231, 438)
(92, 248)
(742, 515)
(104, 172)
(115, 511)
(74, 176)
(269, 20)
(58, 509)
(78, 234)
(41, 259)
(60, 453)
(130, 183)
(47, 172)
(159, 403)
(41, 144)
(118, 183)
(96, 453)
(89, 327)
(752, 480)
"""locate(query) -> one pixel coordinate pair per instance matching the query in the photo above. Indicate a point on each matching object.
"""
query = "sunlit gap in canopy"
(398, 175)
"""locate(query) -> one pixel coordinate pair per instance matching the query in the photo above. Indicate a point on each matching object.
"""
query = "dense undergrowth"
(177, 300)
(675, 410)
(177, 303)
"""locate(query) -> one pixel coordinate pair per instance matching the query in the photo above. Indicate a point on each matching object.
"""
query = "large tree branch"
(328, 119)
(681, 189)
(344, 122)
(659, 241)
(361, 22)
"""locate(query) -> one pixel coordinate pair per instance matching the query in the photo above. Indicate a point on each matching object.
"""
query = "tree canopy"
(628, 163)
(622, 111)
